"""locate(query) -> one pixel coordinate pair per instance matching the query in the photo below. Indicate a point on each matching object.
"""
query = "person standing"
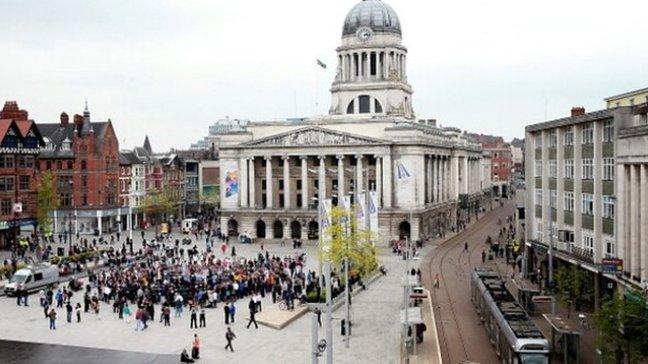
(167, 315)
(52, 319)
(229, 336)
(227, 313)
(201, 318)
(77, 310)
(232, 311)
(68, 310)
(194, 322)
(195, 347)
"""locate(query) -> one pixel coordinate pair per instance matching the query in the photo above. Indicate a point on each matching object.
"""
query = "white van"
(32, 278)
(188, 225)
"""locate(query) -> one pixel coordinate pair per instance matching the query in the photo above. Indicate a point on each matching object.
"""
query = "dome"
(375, 14)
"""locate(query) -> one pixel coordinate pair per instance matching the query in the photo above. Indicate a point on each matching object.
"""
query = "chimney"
(65, 119)
(577, 111)
(78, 122)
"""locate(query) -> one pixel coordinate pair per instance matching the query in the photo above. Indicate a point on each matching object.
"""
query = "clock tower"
(371, 77)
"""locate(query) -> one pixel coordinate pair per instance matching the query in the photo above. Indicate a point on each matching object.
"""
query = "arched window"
(351, 107)
(377, 106)
(364, 103)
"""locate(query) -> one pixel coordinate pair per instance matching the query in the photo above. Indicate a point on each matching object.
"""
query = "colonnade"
(632, 219)
(371, 64)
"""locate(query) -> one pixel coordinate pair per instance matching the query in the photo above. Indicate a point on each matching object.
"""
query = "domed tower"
(371, 76)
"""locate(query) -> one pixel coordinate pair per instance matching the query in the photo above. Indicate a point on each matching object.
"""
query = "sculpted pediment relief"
(312, 137)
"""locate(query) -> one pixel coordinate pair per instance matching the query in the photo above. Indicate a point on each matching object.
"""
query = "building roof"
(373, 14)
(57, 133)
(128, 157)
(571, 120)
(626, 94)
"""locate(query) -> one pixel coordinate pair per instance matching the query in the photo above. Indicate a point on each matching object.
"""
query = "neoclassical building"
(426, 178)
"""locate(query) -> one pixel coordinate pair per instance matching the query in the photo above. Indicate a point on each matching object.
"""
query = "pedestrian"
(194, 322)
(252, 307)
(77, 310)
(466, 246)
(227, 313)
(229, 336)
(52, 319)
(436, 280)
(195, 347)
(223, 247)
(233, 251)
(201, 318)
(167, 315)
(318, 312)
(126, 313)
(68, 310)
(184, 357)
(232, 311)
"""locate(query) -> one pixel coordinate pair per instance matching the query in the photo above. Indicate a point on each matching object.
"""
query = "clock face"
(364, 34)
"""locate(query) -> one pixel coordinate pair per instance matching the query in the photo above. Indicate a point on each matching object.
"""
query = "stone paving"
(375, 313)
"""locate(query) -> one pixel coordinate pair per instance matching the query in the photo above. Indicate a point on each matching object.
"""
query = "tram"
(515, 337)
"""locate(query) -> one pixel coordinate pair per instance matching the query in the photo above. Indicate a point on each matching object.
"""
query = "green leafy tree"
(46, 202)
(348, 241)
(210, 198)
(572, 287)
(622, 325)
(159, 203)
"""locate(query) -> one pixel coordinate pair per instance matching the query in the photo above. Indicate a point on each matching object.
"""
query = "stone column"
(644, 221)
(465, 175)
(454, 178)
(244, 182)
(252, 185)
(379, 180)
(304, 183)
(286, 179)
(435, 179)
(620, 219)
(269, 191)
(321, 188)
(367, 63)
(387, 180)
(359, 173)
(341, 190)
(634, 221)
(428, 169)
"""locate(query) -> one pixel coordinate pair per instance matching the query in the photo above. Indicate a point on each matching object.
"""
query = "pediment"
(313, 136)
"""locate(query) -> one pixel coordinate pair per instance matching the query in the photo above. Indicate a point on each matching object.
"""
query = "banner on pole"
(373, 212)
(325, 224)
(404, 182)
(346, 205)
(231, 182)
(361, 214)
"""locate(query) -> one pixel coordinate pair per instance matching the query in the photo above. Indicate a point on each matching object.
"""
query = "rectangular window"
(587, 134)
(569, 201)
(608, 131)
(608, 169)
(569, 168)
(608, 207)
(552, 198)
(538, 168)
(588, 242)
(538, 140)
(23, 182)
(553, 139)
(610, 248)
(29, 161)
(587, 169)
(569, 136)
(21, 161)
(587, 204)
(539, 231)
(553, 168)
(538, 196)
(5, 207)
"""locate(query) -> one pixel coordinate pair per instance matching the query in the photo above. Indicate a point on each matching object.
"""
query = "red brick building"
(20, 141)
(83, 155)
(501, 158)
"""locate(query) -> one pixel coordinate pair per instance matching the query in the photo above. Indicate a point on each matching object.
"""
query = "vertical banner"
(231, 182)
(346, 205)
(325, 212)
(361, 214)
(373, 212)
(404, 183)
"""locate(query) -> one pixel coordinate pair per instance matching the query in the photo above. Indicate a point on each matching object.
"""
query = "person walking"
(229, 336)
(52, 319)
(167, 315)
(466, 246)
(201, 318)
(195, 347)
(252, 307)
(436, 280)
(194, 322)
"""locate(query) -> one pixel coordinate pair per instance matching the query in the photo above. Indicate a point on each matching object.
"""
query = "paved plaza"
(375, 313)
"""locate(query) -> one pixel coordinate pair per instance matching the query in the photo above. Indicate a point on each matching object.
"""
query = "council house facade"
(426, 179)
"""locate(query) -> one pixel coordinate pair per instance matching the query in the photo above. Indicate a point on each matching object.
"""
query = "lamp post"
(69, 229)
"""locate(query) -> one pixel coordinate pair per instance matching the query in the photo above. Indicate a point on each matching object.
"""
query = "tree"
(622, 324)
(211, 197)
(47, 202)
(158, 203)
(572, 287)
(348, 241)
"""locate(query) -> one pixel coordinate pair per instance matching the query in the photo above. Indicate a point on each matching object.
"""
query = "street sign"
(612, 265)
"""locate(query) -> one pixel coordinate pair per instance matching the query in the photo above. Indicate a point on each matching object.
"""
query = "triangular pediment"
(313, 136)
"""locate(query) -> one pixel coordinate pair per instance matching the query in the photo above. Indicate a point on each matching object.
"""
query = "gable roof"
(57, 133)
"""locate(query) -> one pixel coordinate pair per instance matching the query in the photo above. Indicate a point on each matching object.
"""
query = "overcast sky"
(171, 68)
